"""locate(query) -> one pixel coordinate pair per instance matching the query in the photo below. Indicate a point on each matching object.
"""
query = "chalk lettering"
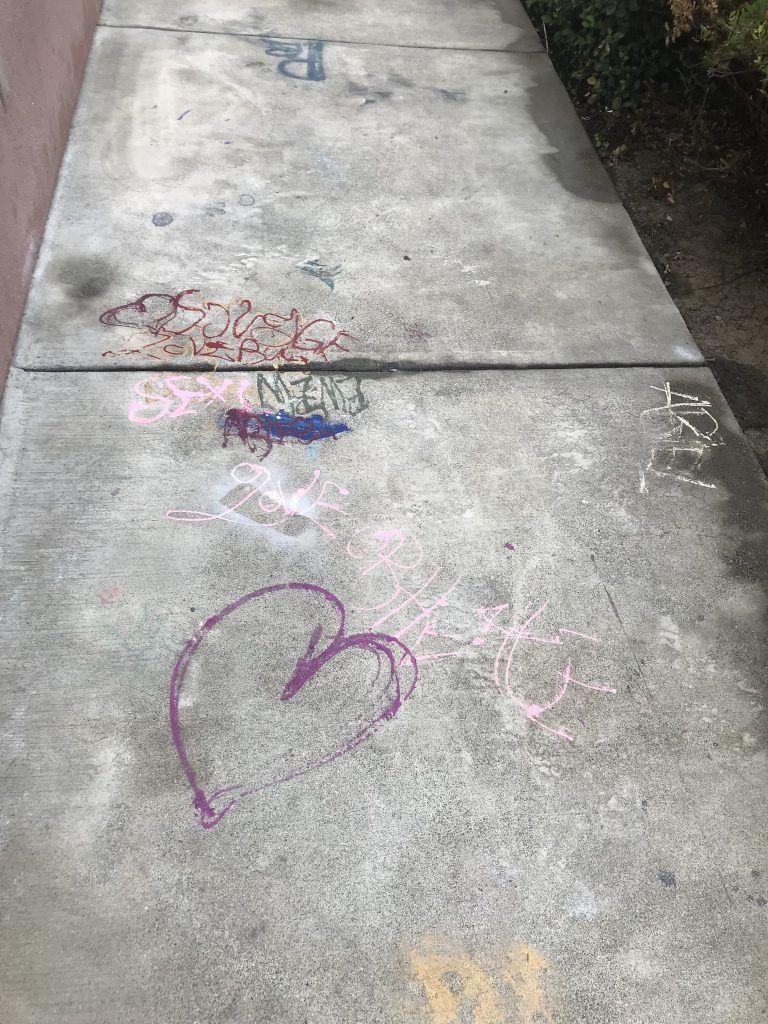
(295, 65)
(692, 432)
(165, 327)
(332, 396)
(267, 493)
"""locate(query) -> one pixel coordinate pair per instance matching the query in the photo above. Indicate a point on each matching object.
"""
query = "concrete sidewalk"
(386, 634)
(430, 207)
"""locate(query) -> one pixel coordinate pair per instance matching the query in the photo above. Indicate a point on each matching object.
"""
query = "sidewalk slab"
(561, 818)
(413, 208)
(483, 24)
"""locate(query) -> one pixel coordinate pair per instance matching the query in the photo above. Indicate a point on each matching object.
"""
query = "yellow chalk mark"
(524, 974)
(450, 981)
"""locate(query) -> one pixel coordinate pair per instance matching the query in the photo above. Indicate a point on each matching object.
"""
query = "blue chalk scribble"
(265, 429)
(323, 271)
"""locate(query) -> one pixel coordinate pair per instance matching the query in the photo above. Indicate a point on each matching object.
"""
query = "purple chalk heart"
(387, 650)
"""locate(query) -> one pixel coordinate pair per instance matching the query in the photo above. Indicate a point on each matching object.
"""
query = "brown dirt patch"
(695, 183)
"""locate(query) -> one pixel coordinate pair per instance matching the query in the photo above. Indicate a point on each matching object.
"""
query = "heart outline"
(307, 666)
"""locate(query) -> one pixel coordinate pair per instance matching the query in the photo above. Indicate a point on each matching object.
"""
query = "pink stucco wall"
(43, 48)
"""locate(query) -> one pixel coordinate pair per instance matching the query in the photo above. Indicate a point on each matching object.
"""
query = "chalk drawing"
(143, 635)
(525, 973)
(459, 990)
(393, 556)
(411, 596)
(323, 271)
(303, 60)
(155, 398)
(690, 435)
(188, 326)
(292, 393)
(396, 557)
(392, 659)
(416, 332)
(262, 430)
(504, 676)
(304, 394)
(266, 491)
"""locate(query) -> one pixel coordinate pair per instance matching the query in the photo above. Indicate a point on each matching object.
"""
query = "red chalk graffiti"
(188, 326)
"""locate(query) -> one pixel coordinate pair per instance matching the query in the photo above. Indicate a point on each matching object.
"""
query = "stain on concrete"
(85, 277)
(511, 14)
(371, 94)
(162, 220)
(572, 159)
(741, 538)
(668, 879)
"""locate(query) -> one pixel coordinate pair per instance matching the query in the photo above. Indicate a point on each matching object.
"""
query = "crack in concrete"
(340, 42)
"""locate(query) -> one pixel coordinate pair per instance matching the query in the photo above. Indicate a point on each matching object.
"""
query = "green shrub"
(740, 37)
(609, 52)
(621, 54)
(738, 40)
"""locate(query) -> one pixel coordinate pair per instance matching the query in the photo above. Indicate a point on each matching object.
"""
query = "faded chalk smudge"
(322, 271)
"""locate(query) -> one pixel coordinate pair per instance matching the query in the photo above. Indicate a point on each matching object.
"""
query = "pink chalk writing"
(265, 492)
(412, 595)
(408, 611)
(394, 556)
(512, 638)
(404, 625)
(297, 393)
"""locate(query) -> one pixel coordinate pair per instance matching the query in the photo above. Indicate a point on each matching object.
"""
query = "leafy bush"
(611, 52)
(689, 15)
(738, 32)
(737, 49)
(618, 53)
